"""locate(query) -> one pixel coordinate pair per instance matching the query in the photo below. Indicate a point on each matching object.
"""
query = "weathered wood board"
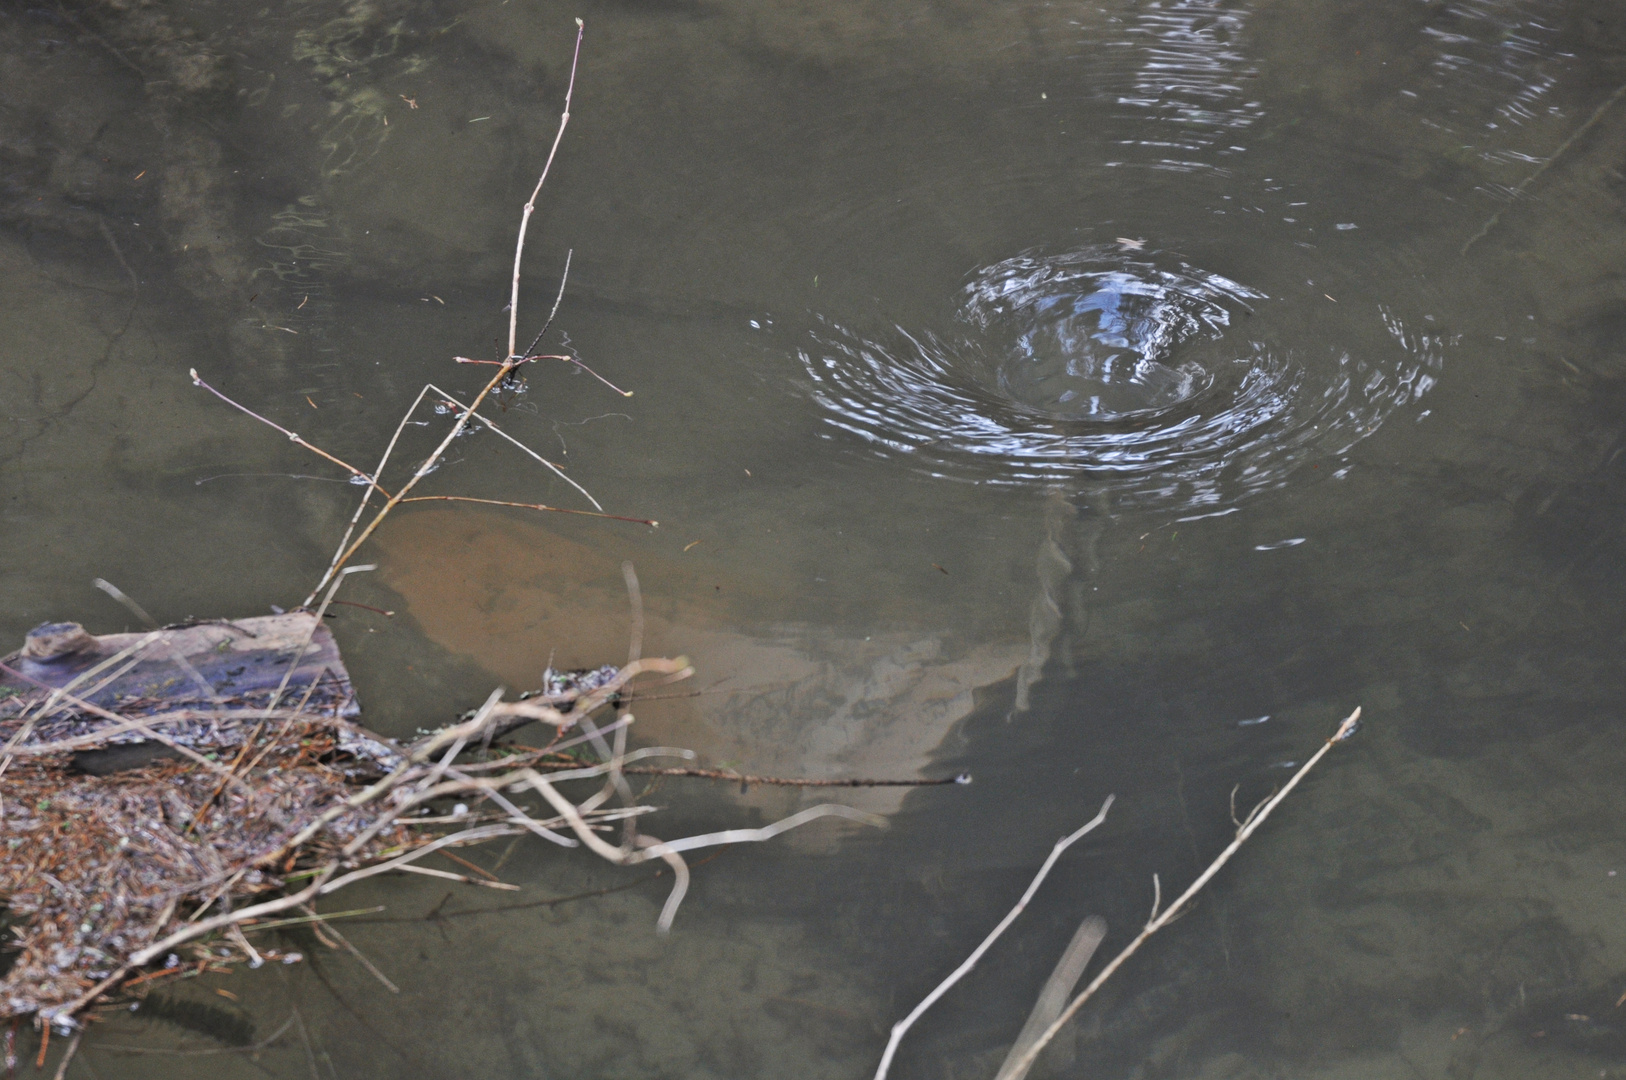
(201, 678)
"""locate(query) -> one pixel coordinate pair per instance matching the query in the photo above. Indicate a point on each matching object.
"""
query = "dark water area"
(1096, 398)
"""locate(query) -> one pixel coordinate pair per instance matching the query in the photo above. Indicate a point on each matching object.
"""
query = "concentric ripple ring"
(1137, 375)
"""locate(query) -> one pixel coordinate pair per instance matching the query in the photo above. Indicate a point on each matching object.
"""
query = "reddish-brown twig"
(530, 506)
(292, 437)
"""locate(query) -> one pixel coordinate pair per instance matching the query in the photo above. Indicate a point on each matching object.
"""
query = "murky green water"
(1045, 391)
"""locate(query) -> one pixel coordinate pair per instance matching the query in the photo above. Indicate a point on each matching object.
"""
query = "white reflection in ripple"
(1189, 75)
(1092, 369)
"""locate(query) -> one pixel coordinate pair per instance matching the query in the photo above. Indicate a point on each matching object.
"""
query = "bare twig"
(529, 506)
(197, 380)
(366, 497)
(372, 969)
(530, 204)
(452, 403)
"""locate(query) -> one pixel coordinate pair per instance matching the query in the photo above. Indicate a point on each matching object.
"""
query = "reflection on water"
(1278, 451)
(1100, 370)
(1189, 78)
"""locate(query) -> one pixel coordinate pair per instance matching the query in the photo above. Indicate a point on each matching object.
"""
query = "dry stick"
(272, 742)
(558, 298)
(124, 598)
(197, 380)
(124, 726)
(448, 400)
(529, 506)
(748, 780)
(659, 850)
(323, 879)
(50, 703)
(55, 701)
(176, 655)
(1543, 167)
(530, 204)
(429, 463)
(902, 1026)
(14, 745)
(67, 1056)
(351, 949)
(448, 875)
(423, 751)
(145, 956)
(131, 725)
(533, 357)
(366, 497)
(299, 654)
(1345, 730)
(635, 652)
(276, 697)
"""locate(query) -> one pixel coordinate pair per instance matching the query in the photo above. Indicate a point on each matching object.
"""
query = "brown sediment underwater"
(789, 699)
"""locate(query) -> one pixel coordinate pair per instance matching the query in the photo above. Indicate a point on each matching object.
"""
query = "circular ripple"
(1099, 370)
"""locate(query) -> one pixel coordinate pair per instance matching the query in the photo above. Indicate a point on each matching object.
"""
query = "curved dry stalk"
(366, 497)
(902, 1026)
(1345, 730)
(670, 850)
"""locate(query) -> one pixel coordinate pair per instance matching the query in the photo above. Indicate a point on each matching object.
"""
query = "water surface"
(1053, 392)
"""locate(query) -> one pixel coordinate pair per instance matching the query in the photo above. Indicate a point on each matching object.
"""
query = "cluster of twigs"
(113, 874)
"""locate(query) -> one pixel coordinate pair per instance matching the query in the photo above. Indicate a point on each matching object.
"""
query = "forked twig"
(492, 426)
(513, 361)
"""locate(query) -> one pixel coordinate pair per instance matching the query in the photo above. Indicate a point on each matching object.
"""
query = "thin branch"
(529, 506)
(530, 204)
(197, 380)
(491, 425)
(557, 299)
(1053, 997)
(1597, 115)
(366, 497)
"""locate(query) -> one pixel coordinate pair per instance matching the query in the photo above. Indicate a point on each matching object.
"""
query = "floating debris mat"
(94, 868)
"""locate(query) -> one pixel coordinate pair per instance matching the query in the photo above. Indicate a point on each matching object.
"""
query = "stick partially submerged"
(902, 1026)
